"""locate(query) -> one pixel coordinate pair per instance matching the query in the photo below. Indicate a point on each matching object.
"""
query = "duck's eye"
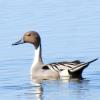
(29, 34)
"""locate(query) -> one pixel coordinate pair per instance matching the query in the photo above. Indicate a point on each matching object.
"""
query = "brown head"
(31, 37)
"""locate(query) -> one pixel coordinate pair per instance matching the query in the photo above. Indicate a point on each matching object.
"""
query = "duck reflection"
(38, 91)
(69, 86)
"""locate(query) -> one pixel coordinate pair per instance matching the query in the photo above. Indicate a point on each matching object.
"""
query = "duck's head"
(31, 37)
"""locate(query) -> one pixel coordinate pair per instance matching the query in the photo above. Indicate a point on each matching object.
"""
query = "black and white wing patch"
(73, 66)
(60, 66)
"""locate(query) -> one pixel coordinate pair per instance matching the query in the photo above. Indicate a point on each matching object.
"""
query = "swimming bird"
(52, 71)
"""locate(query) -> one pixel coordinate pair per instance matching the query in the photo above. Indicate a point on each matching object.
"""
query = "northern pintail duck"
(52, 71)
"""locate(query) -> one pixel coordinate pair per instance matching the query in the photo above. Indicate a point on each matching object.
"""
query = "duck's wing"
(60, 66)
(72, 67)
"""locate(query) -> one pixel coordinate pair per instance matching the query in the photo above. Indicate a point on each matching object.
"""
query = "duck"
(51, 71)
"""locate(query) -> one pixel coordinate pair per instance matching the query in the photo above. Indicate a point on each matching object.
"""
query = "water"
(70, 29)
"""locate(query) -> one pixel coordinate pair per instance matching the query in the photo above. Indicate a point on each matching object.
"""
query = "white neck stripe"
(37, 57)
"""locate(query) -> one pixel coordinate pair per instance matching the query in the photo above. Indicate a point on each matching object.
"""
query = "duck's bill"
(18, 42)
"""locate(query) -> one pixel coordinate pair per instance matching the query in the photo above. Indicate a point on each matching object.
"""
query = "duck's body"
(52, 71)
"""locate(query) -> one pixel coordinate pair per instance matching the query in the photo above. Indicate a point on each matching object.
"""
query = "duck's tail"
(92, 60)
(76, 72)
(82, 66)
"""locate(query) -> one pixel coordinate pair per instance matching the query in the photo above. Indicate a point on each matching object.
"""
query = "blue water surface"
(70, 30)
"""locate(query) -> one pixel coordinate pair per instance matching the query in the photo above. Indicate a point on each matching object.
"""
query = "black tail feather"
(77, 71)
(92, 60)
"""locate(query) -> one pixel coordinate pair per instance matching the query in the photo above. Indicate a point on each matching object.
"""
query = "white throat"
(37, 61)
(37, 56)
